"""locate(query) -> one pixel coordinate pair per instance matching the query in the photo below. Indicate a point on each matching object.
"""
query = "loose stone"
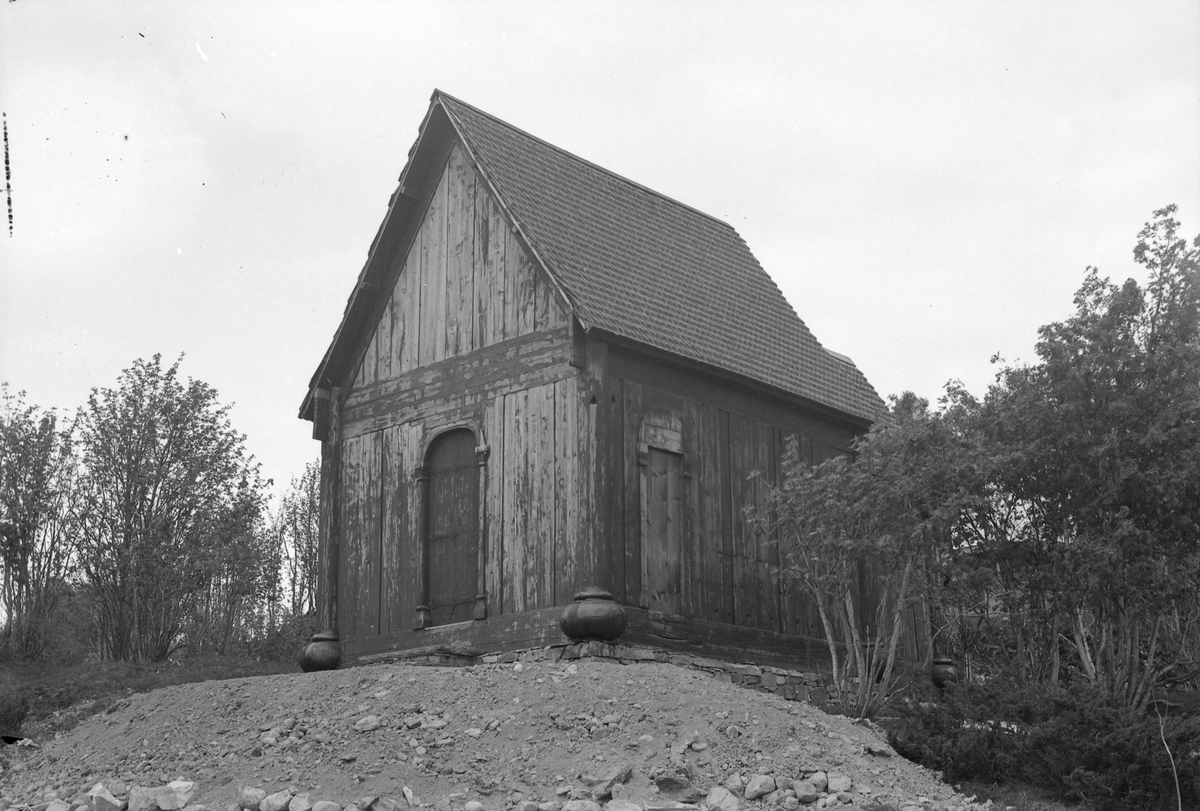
(581, 805)
(760, 785)
(275, 802)
(142, 799)
(622, 805)
(249, 798)
(175, 795)
(368, 723)
(839, 783)
(101, 799)
(806, 792)
(722, 799)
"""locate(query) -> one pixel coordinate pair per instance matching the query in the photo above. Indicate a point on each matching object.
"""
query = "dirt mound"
(498, 734)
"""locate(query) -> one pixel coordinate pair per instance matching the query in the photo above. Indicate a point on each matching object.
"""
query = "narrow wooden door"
(663, 535)
(453, 539)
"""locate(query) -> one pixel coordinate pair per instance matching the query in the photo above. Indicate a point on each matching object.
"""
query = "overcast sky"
(926, 182)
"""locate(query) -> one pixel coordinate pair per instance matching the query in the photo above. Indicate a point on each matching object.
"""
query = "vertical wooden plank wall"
(399, 578)
(371, 536)
(459, 326)
(515, 500)
(534, 498)
(568, 552)
(537, 555)
(631, 418)
(609, 514)
(729, 567)
(431, 329)
(362, 517)
(493, 498)
(714, 582)
(467, 282)
(798, 612)
(329, 523)
(348, 570)
(563, 500)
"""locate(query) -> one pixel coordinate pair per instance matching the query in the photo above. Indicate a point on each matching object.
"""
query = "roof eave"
(402, 198)
(745, 381)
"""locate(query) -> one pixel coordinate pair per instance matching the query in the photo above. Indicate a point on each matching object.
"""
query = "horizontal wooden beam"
(528, 629)
(457, 382)
(712, 389)
(718, 640)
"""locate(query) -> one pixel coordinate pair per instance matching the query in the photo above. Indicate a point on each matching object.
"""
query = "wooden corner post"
(424, 617)
(327, 527)
(481, 608)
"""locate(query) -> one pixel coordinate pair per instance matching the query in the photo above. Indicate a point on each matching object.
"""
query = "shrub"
(14, 706)
(949, 737)
(287, 640)
(1079, 743)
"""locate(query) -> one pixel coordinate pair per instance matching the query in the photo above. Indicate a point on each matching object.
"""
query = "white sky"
(926, 182)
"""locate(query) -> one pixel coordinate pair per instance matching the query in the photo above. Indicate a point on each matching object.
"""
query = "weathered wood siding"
(361, 512)
(598, 467)
(537, 552)
(465, 283)
(541, 555)
(679, 522)
(472, 336)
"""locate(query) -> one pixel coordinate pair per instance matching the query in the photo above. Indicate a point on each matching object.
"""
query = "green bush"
(1079, 743)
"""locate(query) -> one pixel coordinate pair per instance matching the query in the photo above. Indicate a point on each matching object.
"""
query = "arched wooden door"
(452, 542)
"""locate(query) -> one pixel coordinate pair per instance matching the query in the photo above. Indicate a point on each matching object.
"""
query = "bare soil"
(498, 734)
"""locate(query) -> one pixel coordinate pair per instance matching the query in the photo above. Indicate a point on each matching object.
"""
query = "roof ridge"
(645, 267)
(442, 94)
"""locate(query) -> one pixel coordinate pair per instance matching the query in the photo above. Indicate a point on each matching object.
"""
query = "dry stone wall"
(812, 687)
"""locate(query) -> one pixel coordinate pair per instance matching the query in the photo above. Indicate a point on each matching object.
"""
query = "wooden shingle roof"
(631, 264)
(643, 267)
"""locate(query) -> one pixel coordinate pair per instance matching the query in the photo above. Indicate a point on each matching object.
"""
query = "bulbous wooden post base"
(593, 615)
(322, 652)
(943, 672)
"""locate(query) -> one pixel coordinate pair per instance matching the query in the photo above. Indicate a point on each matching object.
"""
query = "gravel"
(583, 736)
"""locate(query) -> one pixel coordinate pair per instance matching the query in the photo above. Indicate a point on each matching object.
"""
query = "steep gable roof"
(639, 266)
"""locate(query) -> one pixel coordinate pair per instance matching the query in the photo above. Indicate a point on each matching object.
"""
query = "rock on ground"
(548, 736)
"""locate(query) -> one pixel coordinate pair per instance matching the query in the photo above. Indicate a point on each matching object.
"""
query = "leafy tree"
(169, 497)
(230, 611)
(36, 496)
(1099, 445)
(297, 525)
(1052, 528)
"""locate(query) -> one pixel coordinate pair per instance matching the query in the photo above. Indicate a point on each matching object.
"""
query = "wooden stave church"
(549, 377)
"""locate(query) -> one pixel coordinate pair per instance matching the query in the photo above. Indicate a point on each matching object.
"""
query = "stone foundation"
(793, 685)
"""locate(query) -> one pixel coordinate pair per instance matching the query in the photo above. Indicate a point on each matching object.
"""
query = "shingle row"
(647, 268)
